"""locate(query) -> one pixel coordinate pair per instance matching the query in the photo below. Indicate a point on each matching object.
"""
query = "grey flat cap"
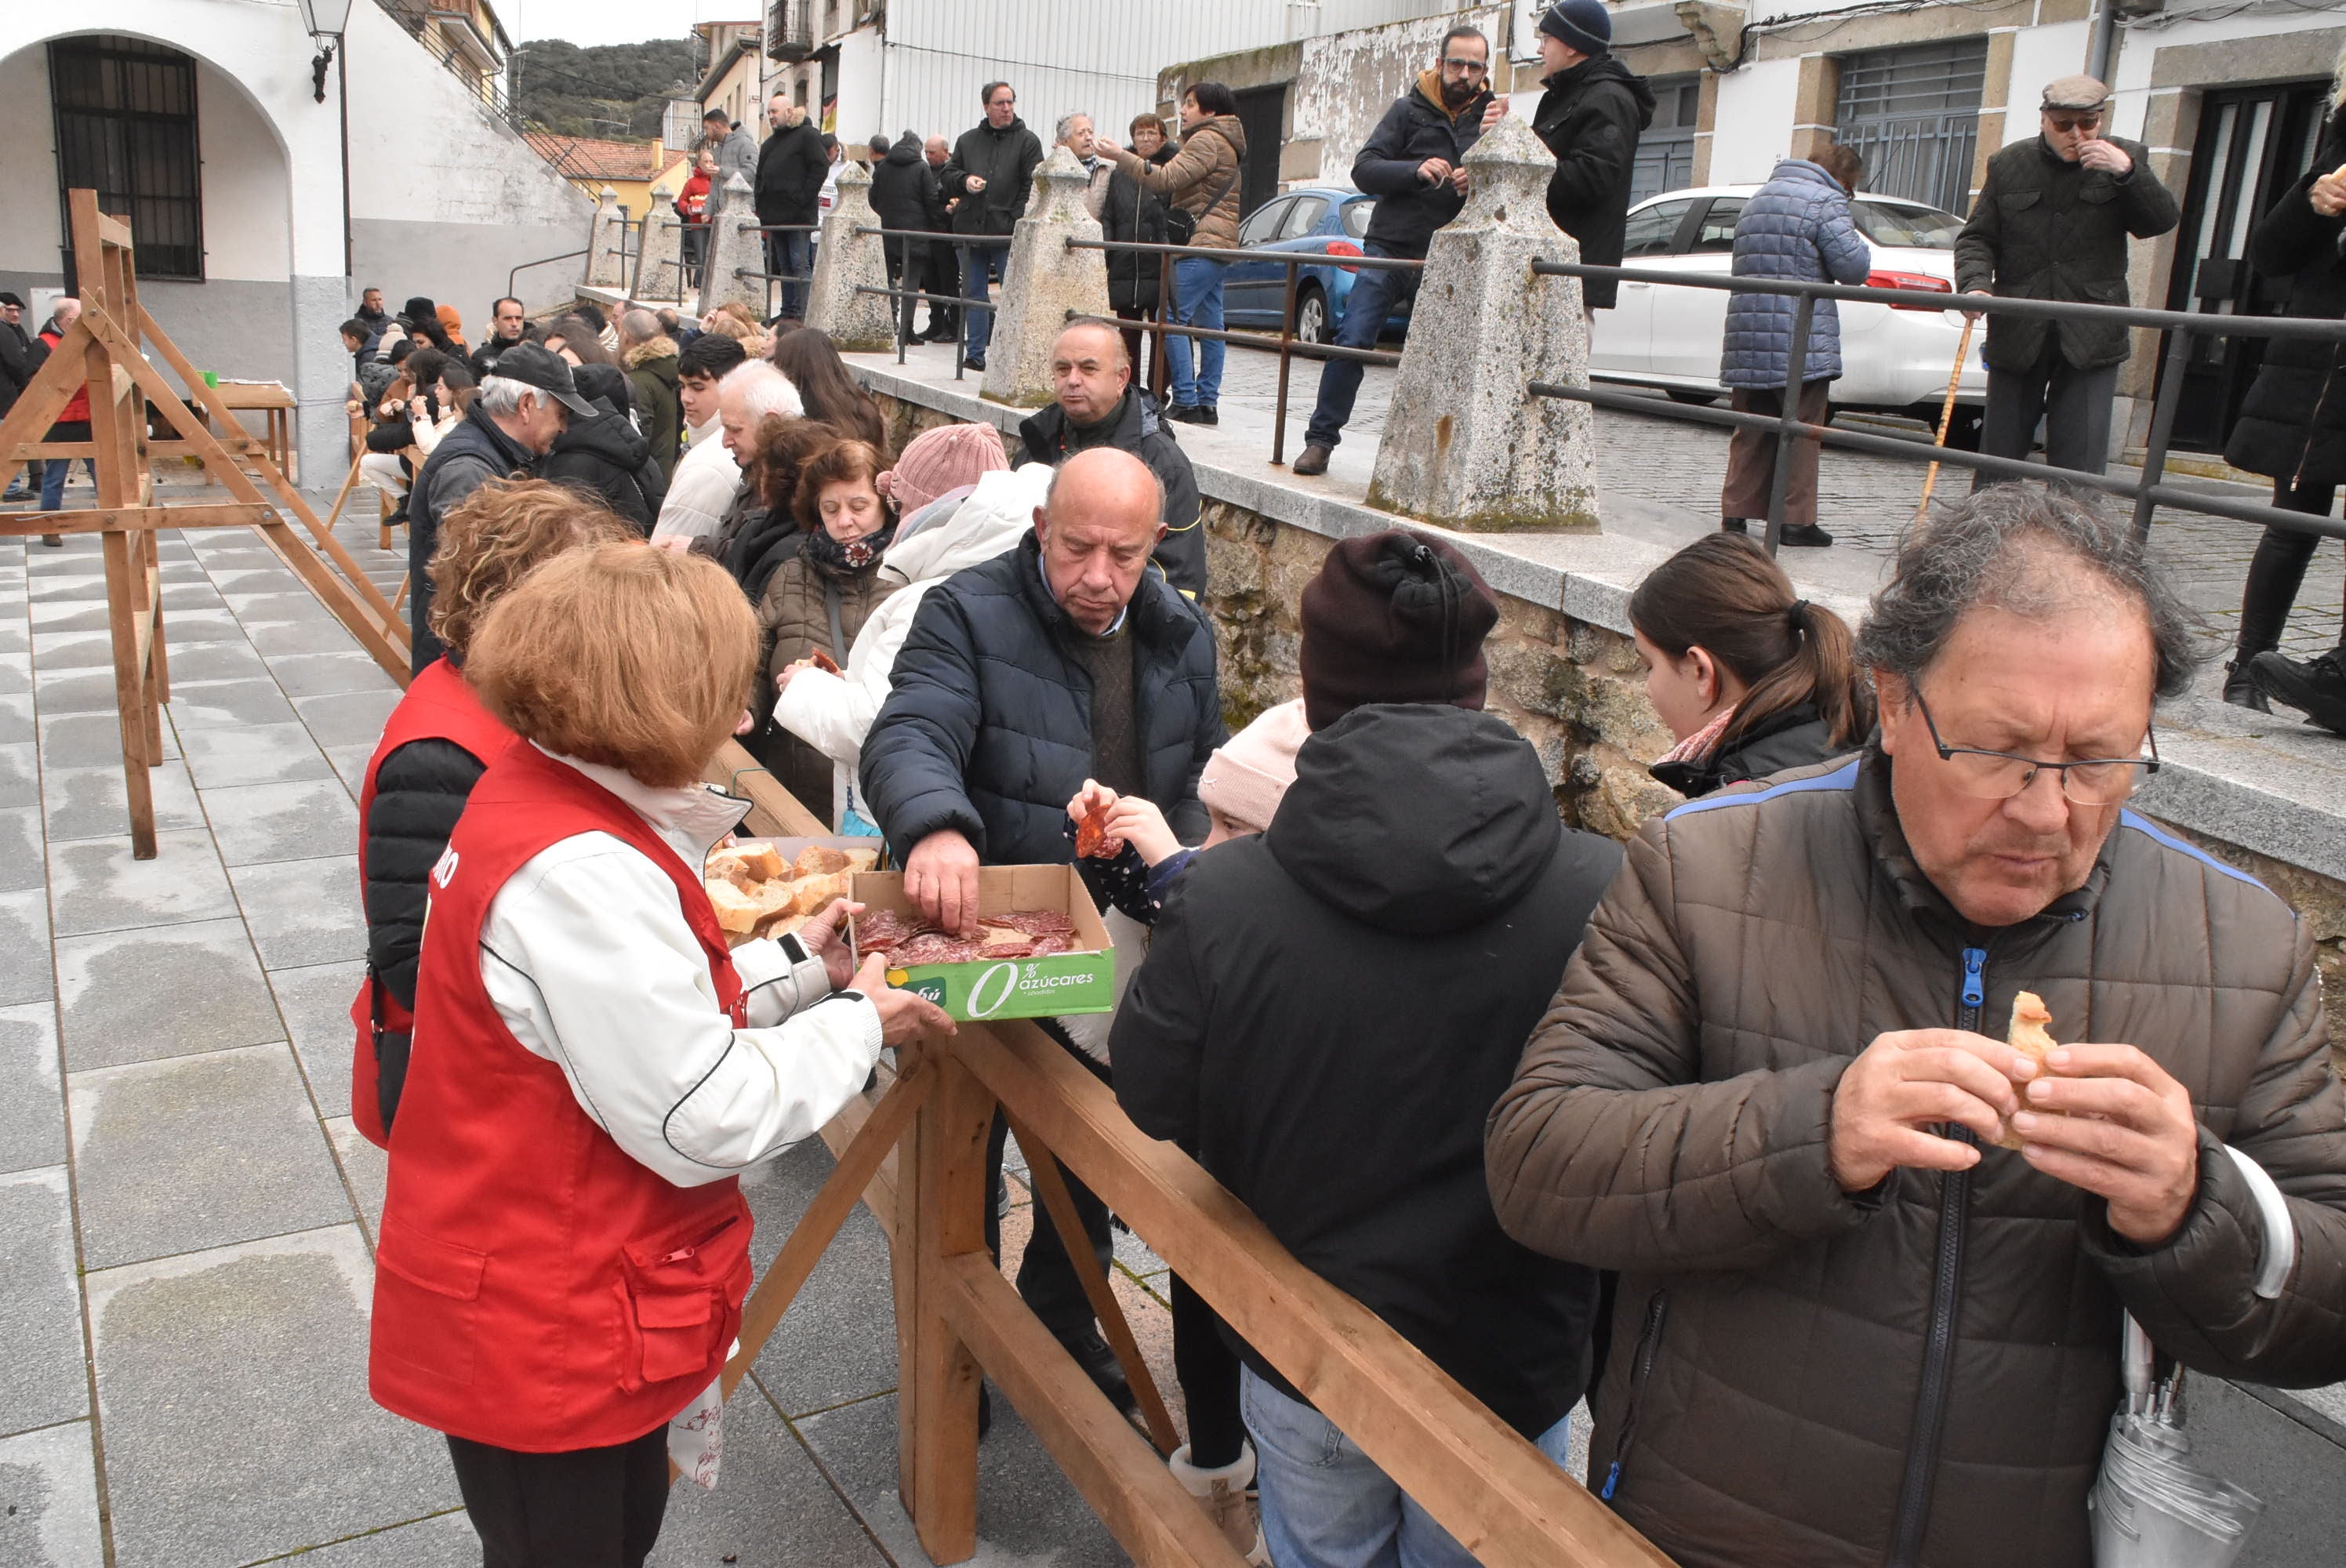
(2079, 92)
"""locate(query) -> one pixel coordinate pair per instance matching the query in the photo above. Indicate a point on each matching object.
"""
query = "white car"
(1895, 358)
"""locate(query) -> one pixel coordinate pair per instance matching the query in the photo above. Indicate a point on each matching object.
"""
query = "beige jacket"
(1210, 167)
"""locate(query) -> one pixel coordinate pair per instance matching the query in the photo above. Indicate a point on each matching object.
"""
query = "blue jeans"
(1326, 1505)
(980, 264)
(1197, 303)
(54, 471)
(1375, 291)
(790, 253)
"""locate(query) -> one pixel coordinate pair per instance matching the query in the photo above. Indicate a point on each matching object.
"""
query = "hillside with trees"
(606, 91)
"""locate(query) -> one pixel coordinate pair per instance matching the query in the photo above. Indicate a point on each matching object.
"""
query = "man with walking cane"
(2051, 223)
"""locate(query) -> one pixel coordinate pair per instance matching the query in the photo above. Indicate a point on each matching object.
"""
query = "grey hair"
(763, 388)
(1066, 123)
(1114, 330)
(503, 394)
(2019, 548)
(639, 326)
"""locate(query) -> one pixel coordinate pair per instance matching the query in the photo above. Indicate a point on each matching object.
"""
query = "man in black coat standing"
(990, 177)
(20, 355)
(944, 260)
(1329, 1010)
(2051, 223)
(790, 171)
(1413, 164)
(1591, 116)
(901, 184)
(1063, 660)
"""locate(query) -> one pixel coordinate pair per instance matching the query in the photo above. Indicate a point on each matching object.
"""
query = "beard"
(1456, 96)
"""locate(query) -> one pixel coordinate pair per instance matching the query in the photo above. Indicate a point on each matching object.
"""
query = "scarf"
(832, 558)
(1698, 747)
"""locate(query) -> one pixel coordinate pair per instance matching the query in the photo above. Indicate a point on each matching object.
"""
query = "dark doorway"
(126, 127)
(1262, 115)
(2254, 144)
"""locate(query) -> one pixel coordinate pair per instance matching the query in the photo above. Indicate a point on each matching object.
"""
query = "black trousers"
(2278, 569)
(1047, 1276)
(2075, 405)
(1208, 1369)
(588, 1508)
(944, 277)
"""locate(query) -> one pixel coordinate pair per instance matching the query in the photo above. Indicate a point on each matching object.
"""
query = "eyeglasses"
(2066, 123)
(2000, 775)
(1469, 68)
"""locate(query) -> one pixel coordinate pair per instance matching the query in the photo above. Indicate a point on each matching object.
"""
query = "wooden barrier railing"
(917, 1155)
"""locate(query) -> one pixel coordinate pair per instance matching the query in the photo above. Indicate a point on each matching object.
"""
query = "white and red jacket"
(565, 1249)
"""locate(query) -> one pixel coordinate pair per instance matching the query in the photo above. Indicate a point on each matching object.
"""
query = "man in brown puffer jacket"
(1850, 1331)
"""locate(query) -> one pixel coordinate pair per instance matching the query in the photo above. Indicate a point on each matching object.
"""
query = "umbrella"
(2152, 1507)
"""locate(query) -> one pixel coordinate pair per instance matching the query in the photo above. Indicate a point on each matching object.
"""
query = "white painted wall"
(1347, 81)
(1754, 128)
(2040, 55)
(248, 226)
(31, 240)
(2137, 45)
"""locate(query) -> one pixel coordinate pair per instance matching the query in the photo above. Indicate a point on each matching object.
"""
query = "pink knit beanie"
(1246, 777)
(942, 459)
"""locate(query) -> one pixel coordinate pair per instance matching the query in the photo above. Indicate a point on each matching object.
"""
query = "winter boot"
(1223, 1494)
(2240, 687)
(2315, 687)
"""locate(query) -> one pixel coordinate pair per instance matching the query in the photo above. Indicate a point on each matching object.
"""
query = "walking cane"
(1946, 414)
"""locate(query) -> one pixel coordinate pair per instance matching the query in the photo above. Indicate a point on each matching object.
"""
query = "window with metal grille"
(1665, 159)
(1913, 114)
(126, 126)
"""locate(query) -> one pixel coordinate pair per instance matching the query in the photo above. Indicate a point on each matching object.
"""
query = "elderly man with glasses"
(1413, 163)
(1875, 1260)
(2051, 223)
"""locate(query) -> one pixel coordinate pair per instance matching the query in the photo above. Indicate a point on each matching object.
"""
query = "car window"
(1357, 215)
(1905, 223)
(1717, 232)
(1259, 229)
(1653, 228)
(1303, 216)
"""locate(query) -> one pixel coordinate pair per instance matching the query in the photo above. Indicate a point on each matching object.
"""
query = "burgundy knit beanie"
(1398, 616)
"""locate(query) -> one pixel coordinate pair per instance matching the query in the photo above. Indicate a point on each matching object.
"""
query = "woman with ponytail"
(1750, 678)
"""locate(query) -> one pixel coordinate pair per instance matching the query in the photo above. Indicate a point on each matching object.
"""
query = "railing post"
(2162, 428)
(605, 267)
(734, 246)
(660, 258)
(973, 298)
(847, 258)
(940, 1183)
(1043, 282)
(1795, 377)
(1286, 337)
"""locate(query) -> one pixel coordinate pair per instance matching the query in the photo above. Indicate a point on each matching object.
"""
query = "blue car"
(1326, 220)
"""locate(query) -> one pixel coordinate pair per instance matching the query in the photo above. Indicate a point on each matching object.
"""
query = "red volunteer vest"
(535, 1288)
(439, 706)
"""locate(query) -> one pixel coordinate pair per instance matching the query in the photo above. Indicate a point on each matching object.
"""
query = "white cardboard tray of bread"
(764, 887)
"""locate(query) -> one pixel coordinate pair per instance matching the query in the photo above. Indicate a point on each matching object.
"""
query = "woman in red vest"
(565, 1249)
(433, 748)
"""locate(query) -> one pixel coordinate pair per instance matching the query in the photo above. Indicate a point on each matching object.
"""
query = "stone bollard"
(1465, 446)
(1043, 282)
(605, 267)
(659, 263)
(857, 323)
(735, 246)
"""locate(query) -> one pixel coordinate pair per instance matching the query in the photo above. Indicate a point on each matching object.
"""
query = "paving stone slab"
(214, 661)
(303, 912)
(1027, 1511)
(32, 1091)
(165, 990)
(351, 763)
(771, 1507)
(16, 674)
(75, 689)
(16, 718)
(320, 634)
(254, 1358)
(366, 1170)
(78, 650)
(53, 587)
(253, 823)
(22, 865)
(14, 638)
(43, 1379)
(230, 704)
(89, 740)
(184, 598)
(49, 1483)
(320, 674)
(197, 1152)
(20, 774)
(829, 1349)
(96, 884)
(255, 754)
(296, 602)
(95, 802)
(350, 718)
(25, 970)
(442, 1540)
(232, 580)
(315, 1001)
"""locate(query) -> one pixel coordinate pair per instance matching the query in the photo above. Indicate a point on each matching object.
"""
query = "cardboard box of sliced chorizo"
(1038, 985)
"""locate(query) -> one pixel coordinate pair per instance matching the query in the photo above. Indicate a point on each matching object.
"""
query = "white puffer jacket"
(833, 712)
(707, 478)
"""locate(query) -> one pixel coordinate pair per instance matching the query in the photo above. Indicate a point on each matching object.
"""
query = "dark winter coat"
(1795, 225)
(419, 792)
(1590, 117)
(467, 457)
(752, 540)
(605, 455)
(1005, 159)
(1796, 738)
(484, 359)
(1129, 213)
(2045, 229)
(20, 357)
(659, 405)
(792, 166)
(793, 621)
(1205, 177)
(1417, 126)
(900, 185)
(1808, 1378)
(988, 729)
(2292, 425)
(1051, 438)
(1330, 1010)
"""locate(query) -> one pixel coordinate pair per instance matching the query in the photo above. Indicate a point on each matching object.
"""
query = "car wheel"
(1311, 317)
(1699, 399)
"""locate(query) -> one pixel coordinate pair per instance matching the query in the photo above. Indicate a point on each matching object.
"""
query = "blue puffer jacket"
(1796, 226)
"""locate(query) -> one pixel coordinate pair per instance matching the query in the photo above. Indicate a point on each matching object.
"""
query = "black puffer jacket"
(900, 185)
(2292, 425)
(1129, 213)
(1005, 159)
(1795, 737)
(1591, 116)
(605, 455)
(1416, 872)
(792, 165)
(989, 727)
(21, 354)
(1051, 438)
(1419, 126)
(419, 792)
(467, 457)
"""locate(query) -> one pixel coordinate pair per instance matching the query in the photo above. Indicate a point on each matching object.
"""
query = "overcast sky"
(586, 22)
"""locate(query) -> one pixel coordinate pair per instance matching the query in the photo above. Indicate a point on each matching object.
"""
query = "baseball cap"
(533, 365)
